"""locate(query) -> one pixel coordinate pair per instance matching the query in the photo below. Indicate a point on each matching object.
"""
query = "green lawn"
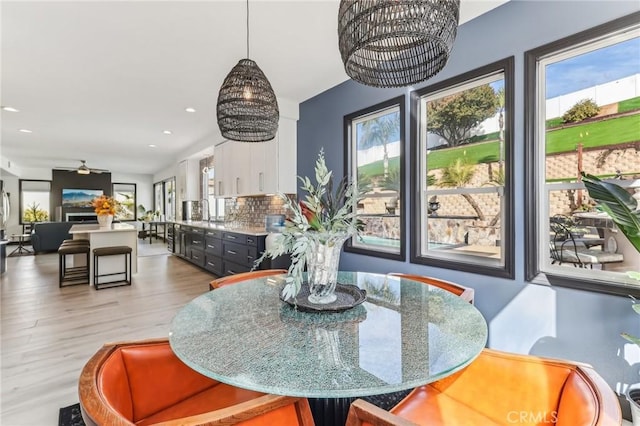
(600, 133)
(484, 152)
(377, 168)
(629, 104)
(597, 134)
(554, 122)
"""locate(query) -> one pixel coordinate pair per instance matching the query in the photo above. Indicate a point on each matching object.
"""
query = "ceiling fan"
(83, 169)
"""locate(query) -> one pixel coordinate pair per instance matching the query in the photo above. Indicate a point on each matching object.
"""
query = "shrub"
(33, 213)
(583, 109)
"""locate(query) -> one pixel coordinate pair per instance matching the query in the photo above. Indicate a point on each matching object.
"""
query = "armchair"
(144, 383)
(501, 388)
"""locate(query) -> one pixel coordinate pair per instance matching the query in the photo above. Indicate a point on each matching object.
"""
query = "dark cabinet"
(222, 252)
(213, 252)
(195, 245)
(170, 237)
(179, 241)
(239, 251)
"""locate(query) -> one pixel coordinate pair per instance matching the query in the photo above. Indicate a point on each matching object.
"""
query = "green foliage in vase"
(322, 217)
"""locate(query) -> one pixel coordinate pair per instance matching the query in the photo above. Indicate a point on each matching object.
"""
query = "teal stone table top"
(404, 335)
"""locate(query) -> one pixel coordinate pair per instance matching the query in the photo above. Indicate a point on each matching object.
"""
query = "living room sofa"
(47, 236)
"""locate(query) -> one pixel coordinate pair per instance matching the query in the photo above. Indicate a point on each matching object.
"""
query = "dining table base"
(333, 411)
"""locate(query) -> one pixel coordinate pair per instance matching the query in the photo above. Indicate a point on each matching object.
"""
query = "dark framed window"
(582, 115)
(462, 172)
(125, 194)
(35, 201)
(164, 198)
(374, 160)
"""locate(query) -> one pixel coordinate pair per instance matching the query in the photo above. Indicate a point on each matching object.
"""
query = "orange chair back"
(243, 276)
(465, 293)
(120, 385)
(502, 388)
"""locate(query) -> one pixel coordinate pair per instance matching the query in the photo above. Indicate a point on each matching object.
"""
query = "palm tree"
(497, 179)
(500, 98)
(377, 132)
(458, 174)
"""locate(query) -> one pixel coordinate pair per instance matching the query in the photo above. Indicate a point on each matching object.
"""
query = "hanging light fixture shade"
(247, 107)
(396, 43)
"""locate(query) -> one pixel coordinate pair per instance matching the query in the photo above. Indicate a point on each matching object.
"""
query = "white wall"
(601, 94)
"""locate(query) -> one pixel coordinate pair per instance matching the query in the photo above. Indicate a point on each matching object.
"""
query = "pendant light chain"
(247, 28)
(247, 108)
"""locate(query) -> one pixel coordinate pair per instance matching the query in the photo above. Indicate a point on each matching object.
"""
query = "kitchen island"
(118, 234)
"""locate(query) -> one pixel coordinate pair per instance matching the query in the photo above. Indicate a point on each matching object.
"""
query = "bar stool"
(76, 241)
(112, 251)
(74, 275)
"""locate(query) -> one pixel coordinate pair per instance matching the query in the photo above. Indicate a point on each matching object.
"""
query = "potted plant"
(625, 213)
(315, 232)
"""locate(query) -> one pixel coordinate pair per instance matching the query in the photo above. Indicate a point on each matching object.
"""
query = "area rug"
(70, 416)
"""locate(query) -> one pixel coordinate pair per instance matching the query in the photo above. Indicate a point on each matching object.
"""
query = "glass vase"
(323, 258)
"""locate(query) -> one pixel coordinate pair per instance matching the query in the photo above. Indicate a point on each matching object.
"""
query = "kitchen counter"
(118, 234)
(255, 231)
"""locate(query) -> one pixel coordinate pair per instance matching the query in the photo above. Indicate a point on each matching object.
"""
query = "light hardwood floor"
(49, 333)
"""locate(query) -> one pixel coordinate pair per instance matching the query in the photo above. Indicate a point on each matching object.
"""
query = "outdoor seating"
(566, 247)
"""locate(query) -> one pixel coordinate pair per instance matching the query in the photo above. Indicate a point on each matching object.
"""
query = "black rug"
(70, 416)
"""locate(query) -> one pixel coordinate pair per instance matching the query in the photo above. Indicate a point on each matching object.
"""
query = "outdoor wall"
(522, 317)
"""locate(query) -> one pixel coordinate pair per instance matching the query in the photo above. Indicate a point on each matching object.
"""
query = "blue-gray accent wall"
(522, 317)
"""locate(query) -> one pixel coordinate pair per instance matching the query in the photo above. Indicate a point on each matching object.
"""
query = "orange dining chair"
(243, 276)
(502, 388)
(145, 383)
(465, 293)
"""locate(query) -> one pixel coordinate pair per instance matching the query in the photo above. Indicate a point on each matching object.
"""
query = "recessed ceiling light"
(151, 145)
(10, 109)
(190, 109)
(25, 131)
(167, 132)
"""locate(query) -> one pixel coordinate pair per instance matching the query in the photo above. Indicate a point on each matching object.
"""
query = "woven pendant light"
(247, 107)
(396, 43)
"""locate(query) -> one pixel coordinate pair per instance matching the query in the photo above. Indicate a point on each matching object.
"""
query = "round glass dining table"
(404, 335)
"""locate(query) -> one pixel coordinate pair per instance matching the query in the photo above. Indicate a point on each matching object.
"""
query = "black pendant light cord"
(247, 29)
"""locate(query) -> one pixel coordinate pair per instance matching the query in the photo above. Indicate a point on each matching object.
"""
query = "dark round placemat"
(348, 296)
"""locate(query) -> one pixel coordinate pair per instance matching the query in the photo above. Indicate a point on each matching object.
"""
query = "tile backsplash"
(250, 212)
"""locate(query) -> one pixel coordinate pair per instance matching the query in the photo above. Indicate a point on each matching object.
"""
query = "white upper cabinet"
(264, 159)
(257, 168)
(187, 181)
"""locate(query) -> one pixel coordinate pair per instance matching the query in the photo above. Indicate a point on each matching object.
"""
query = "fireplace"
(81, 217)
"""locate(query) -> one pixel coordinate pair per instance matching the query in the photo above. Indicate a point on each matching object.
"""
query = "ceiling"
(101, 81)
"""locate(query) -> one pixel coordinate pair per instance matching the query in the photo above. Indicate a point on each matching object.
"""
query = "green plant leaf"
(618, 204)
(632, 339)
